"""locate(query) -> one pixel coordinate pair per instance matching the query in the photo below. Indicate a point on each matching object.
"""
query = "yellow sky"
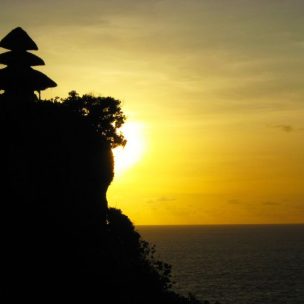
(215, 87)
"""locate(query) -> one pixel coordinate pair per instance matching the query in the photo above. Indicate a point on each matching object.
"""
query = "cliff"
(59, 240)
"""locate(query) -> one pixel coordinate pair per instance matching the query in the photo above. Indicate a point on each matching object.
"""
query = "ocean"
(234, 264)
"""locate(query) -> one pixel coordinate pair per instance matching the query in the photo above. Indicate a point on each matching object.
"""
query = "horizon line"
(259, 224)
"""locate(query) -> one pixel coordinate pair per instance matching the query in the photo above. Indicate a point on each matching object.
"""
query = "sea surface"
(234, 264)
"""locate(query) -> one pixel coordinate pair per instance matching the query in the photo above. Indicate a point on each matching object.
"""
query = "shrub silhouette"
(103, 113)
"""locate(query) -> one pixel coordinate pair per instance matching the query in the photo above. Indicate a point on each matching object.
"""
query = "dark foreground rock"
(58, 240)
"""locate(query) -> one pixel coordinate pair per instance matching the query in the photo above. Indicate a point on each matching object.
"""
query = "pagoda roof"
(20, 58)
(18, 40)
(27, 79)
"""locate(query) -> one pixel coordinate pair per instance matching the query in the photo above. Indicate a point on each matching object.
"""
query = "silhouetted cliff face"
(56, 244)
(52, 155)
(55, 172)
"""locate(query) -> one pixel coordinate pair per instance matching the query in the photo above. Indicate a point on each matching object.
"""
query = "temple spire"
(18, 40)
(18, 79)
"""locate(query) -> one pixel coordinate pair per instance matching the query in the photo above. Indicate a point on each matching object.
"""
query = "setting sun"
(126, 157)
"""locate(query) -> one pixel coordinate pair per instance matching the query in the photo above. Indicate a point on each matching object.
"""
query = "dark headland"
(59, 239)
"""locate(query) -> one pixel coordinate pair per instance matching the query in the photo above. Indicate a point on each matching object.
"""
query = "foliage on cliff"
(104, 114)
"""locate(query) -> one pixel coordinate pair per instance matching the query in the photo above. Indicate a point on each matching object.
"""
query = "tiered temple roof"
(18, 77)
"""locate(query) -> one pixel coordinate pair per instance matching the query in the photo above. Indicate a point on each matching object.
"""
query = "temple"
(18, 80)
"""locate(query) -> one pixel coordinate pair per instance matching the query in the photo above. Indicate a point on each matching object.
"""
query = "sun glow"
(128, 156)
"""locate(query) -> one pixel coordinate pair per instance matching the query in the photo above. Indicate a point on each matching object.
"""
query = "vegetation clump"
(103, 113)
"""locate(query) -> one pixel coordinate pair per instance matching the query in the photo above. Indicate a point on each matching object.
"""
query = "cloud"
(285, 128)
(233, 201)
(271, 203)
(161, 199)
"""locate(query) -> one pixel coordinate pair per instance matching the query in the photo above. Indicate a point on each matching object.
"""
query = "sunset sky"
(213, 91)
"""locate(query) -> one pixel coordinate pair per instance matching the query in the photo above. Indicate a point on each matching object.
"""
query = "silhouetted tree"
(103, 113)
